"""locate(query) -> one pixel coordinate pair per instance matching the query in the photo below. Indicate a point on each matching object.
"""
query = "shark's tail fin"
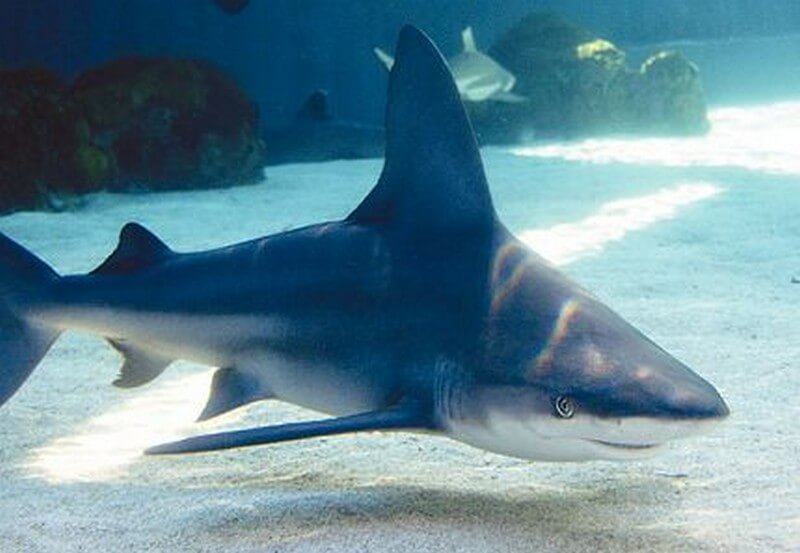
(22, 343)
(384, 58)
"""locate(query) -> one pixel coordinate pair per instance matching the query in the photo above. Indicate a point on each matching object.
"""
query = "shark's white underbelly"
(262, 345)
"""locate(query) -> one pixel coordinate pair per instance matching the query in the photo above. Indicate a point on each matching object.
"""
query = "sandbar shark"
(477, 76)
(418, 312)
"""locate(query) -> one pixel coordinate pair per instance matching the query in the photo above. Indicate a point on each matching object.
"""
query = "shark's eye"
(564, 407)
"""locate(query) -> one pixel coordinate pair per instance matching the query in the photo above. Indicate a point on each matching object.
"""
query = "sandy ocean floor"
(696, 241)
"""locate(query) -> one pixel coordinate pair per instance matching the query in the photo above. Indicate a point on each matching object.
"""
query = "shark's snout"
(613, 370)
(697, 400)
(595, 388)
(662, 388)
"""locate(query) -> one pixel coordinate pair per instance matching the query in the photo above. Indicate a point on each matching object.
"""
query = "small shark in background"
(419, 311)
(315, 135)
(478, 77)
(232, 6)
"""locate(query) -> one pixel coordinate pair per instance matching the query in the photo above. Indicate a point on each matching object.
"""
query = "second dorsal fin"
(433, 176)
(138, 248)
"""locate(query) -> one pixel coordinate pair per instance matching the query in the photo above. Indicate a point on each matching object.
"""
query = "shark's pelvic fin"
(139, 367)
(402, 417)
(384, 58)
(433, 178)
(138, 248)
(232, 388)
(468, 40)
(316, 108)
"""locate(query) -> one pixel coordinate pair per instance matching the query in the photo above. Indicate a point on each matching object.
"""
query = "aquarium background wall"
(282, 50)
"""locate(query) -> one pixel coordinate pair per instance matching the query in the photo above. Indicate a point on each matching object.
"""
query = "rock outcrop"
(171, 124)
(579, 84)
(132, 124)
(45, 148)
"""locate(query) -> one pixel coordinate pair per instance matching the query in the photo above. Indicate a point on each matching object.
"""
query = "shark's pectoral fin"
(232, 388)
(402, 417)
(138, 248)
(140, 366)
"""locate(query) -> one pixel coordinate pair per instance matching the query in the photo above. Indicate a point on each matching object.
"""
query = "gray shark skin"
(316, 135)
(478, 77)
(419, 312)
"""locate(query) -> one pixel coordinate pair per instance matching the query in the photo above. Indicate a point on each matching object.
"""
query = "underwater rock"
(170, 123)
(670, 95)
(45, 150)
(579, 84)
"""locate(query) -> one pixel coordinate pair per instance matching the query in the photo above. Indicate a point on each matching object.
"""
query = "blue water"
(282, 50)
(695, 240)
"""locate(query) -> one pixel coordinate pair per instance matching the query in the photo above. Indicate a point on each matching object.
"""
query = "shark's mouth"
(632, 447)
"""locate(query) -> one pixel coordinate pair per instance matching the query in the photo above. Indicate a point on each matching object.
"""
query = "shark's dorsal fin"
(468, 40)
(316, 108)
(137, 248)
(433, 176)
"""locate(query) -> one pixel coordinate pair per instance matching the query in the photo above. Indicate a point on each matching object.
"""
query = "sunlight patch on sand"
(568, 242)
(105, 445)
(759, 138)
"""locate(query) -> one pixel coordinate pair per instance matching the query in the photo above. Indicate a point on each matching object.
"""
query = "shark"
(418, 312)
(316, 134)
(478, 77)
